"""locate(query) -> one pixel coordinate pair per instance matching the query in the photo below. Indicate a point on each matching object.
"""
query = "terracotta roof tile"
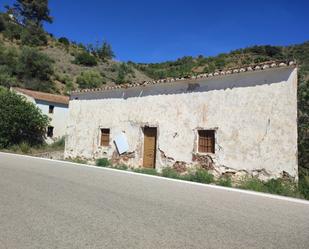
(217, 73)
(61, 99)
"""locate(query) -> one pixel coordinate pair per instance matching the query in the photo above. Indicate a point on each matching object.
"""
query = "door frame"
(155, 147)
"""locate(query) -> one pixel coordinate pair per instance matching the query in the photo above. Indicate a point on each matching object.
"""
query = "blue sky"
(155, 31)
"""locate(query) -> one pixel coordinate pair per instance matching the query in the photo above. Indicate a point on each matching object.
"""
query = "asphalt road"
(45, 204)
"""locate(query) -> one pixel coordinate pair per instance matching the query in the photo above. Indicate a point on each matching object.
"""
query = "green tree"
(85, 59)
(64, 41)
(90, 79)
(20, 121)
(2, 23)
(35, 11)
(33, 35)
(6, 79)
(34, 64)
(105, 52)
(303, 127)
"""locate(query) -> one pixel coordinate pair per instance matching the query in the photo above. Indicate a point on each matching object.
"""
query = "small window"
(105, 137)
(50, 131)
(51, 109)
(206, 141)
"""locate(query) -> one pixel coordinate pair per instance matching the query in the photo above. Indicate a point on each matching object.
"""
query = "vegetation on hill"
(21, 31)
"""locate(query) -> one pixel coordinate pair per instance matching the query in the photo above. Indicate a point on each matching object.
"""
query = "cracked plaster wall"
(256, 126)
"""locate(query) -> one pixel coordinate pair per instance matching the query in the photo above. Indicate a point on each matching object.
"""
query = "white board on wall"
(121, 143)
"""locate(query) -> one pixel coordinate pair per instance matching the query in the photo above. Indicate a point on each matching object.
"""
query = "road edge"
(231, 189)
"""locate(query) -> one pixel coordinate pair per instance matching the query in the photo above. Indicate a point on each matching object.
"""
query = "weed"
(225, 181)
(147, 171)
(24, 147)
(120, 167)
(170, 173)
(102, 162)
(78, 160)
(201, 175)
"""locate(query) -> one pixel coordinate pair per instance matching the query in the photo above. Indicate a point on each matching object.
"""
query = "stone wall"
(254, 115)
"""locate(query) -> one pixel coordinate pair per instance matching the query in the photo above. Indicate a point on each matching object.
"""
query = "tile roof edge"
(247, 68)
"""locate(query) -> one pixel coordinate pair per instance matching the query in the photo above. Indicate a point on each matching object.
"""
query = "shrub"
(147, 171)
(85, 59)
(33, 35)
(24, 147)
(121, 167)
(64, 41)
(304, 186)
(202, 176)
(225, 181)
(273, 186)
(253, 184)
(90, 79)
(59, 144)
(2, 23)
(102, 162)
(34, 64)
(12, 31)
(20, 121)
(170, 173)
(6, 79)
(281, 187)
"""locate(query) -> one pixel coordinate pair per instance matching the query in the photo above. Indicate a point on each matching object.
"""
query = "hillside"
(64, 70)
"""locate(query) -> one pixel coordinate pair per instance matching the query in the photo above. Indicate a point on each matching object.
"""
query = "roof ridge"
(56, 98)
(217, 72)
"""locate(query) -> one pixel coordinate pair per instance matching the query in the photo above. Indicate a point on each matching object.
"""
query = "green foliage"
(58, 144)
(34, 64)
(33, 35)
(273, 186)
(147, 171)
(303, 126)
(65, 41)
(201, 175)
(6, 78)
(225, 181)
(105, 51)
(24, 147)
(170, 173)
(102, 162)
(123, 70)
(303, 185)
(120, 166)
(20, 121)
(90, 79)
(35, 11)
(2, 23)
(12, 31)
(67, 80)
(86, 59)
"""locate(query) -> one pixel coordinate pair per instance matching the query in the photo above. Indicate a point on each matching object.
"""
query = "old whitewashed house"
(54, 106)
(239, 121)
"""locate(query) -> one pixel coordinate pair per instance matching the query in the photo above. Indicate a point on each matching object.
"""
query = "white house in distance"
(54, 106)
(238, 121)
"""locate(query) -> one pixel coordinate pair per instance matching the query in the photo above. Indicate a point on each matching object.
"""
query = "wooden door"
(150, 140)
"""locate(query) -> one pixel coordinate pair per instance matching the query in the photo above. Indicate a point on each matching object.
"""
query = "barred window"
(206, 141)
(105, 137)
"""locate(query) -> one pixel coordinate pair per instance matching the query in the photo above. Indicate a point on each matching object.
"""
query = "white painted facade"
(58, 119)
(254, 115)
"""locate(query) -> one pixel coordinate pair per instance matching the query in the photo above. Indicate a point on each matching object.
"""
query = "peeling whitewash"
(254, 115)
